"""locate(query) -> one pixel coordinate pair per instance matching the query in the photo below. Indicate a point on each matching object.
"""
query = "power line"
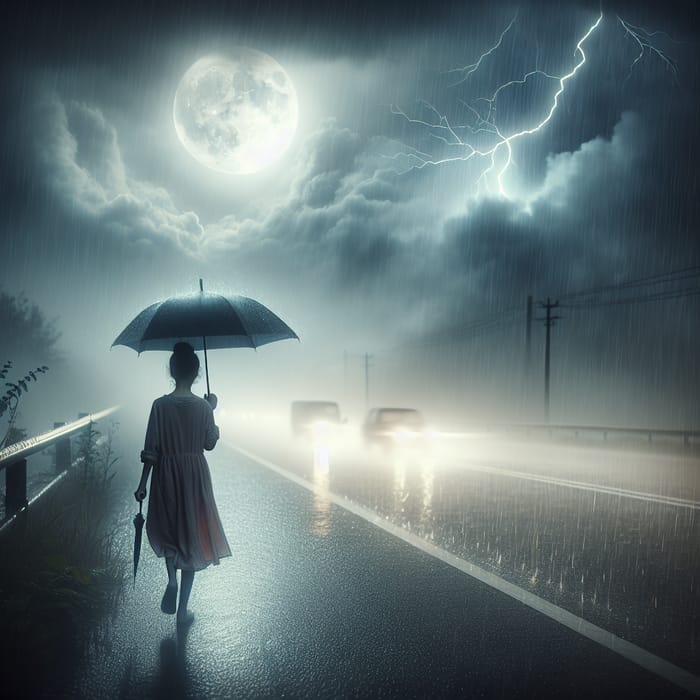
(474, 329)
(464, 332)
(495, 318)
(659, 296)
(651, 280)
(459, 333)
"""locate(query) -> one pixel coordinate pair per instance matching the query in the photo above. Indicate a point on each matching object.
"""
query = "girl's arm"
(211, 436)
(140, 493)
(149, 454)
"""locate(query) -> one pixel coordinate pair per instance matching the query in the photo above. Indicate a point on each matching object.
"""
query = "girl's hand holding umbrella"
(140, 493)
(212, 400)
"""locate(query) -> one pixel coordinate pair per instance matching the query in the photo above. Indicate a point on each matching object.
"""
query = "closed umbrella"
(206, 321)
(139, 520)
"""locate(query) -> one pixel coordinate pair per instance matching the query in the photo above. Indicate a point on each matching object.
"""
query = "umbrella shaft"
(206, 363)
(204, 343)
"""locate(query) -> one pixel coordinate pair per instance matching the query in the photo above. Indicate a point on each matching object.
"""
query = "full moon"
(236, 114)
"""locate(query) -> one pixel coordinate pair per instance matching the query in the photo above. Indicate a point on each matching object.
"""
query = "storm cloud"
(355, 223)
(342, 228)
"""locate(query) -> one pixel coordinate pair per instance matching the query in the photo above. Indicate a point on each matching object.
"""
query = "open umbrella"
(139, 520)
(205, 321)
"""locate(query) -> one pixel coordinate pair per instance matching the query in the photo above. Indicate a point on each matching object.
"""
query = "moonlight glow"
(237, 114)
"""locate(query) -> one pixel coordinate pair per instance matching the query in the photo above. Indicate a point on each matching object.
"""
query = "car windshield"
(407, 417)
(320, 411)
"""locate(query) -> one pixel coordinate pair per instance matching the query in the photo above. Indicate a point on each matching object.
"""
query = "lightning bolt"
(465, 139)
(555, 103)
(466, 71)
(459, 136)
(643, 39)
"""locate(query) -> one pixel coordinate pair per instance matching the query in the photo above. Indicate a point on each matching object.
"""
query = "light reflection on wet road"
(610, 535)
(318, 602)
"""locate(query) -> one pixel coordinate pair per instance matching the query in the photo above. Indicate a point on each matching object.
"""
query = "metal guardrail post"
(15, 487)
(84, 444)
(63, 451)
(13, 460)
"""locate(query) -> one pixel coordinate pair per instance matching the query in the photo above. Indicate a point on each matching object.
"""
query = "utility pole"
(368, 357)
(528, 336)
(548, 322)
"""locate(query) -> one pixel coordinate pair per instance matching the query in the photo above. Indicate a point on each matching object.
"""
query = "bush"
(9, 401)
(62, 574)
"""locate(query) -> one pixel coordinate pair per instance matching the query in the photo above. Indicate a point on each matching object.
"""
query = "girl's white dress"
(182, 520)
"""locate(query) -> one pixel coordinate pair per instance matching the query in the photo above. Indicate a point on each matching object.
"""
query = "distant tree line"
(27, 341)
(27, 337)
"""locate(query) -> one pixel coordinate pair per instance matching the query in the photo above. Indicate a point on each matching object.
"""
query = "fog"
(350, 237)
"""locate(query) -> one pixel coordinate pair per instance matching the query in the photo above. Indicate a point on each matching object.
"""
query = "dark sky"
(104, 212)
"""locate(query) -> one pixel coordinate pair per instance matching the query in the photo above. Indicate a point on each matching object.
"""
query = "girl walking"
(183, 524)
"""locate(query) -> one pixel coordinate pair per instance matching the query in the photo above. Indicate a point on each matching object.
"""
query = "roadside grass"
(61, 573)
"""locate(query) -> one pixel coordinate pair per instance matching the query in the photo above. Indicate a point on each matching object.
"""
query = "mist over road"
(610, 534)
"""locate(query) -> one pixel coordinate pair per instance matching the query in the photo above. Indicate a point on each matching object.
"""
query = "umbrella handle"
(140, 507)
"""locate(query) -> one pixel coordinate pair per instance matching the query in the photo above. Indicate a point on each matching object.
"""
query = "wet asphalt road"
(611, 535)
(316, 602)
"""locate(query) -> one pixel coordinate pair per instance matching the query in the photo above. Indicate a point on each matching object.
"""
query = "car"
(392, 426)
(315, 418)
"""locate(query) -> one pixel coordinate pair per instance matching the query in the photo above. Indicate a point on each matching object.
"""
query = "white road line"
(655, 664)
(585, 486)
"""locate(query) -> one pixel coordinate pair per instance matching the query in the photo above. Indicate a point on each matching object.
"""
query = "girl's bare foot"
(169, 602)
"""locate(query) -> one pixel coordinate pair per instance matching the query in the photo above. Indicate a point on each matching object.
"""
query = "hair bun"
(182, 348)
(184, 363)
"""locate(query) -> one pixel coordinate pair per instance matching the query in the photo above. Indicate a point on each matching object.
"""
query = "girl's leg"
(170, 566)
(186, 581)
(167, 605)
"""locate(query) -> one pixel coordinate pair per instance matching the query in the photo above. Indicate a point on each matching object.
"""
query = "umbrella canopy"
(205, 321)
(138, 535)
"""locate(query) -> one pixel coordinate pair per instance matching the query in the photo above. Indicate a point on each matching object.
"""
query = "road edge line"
(645, 659)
